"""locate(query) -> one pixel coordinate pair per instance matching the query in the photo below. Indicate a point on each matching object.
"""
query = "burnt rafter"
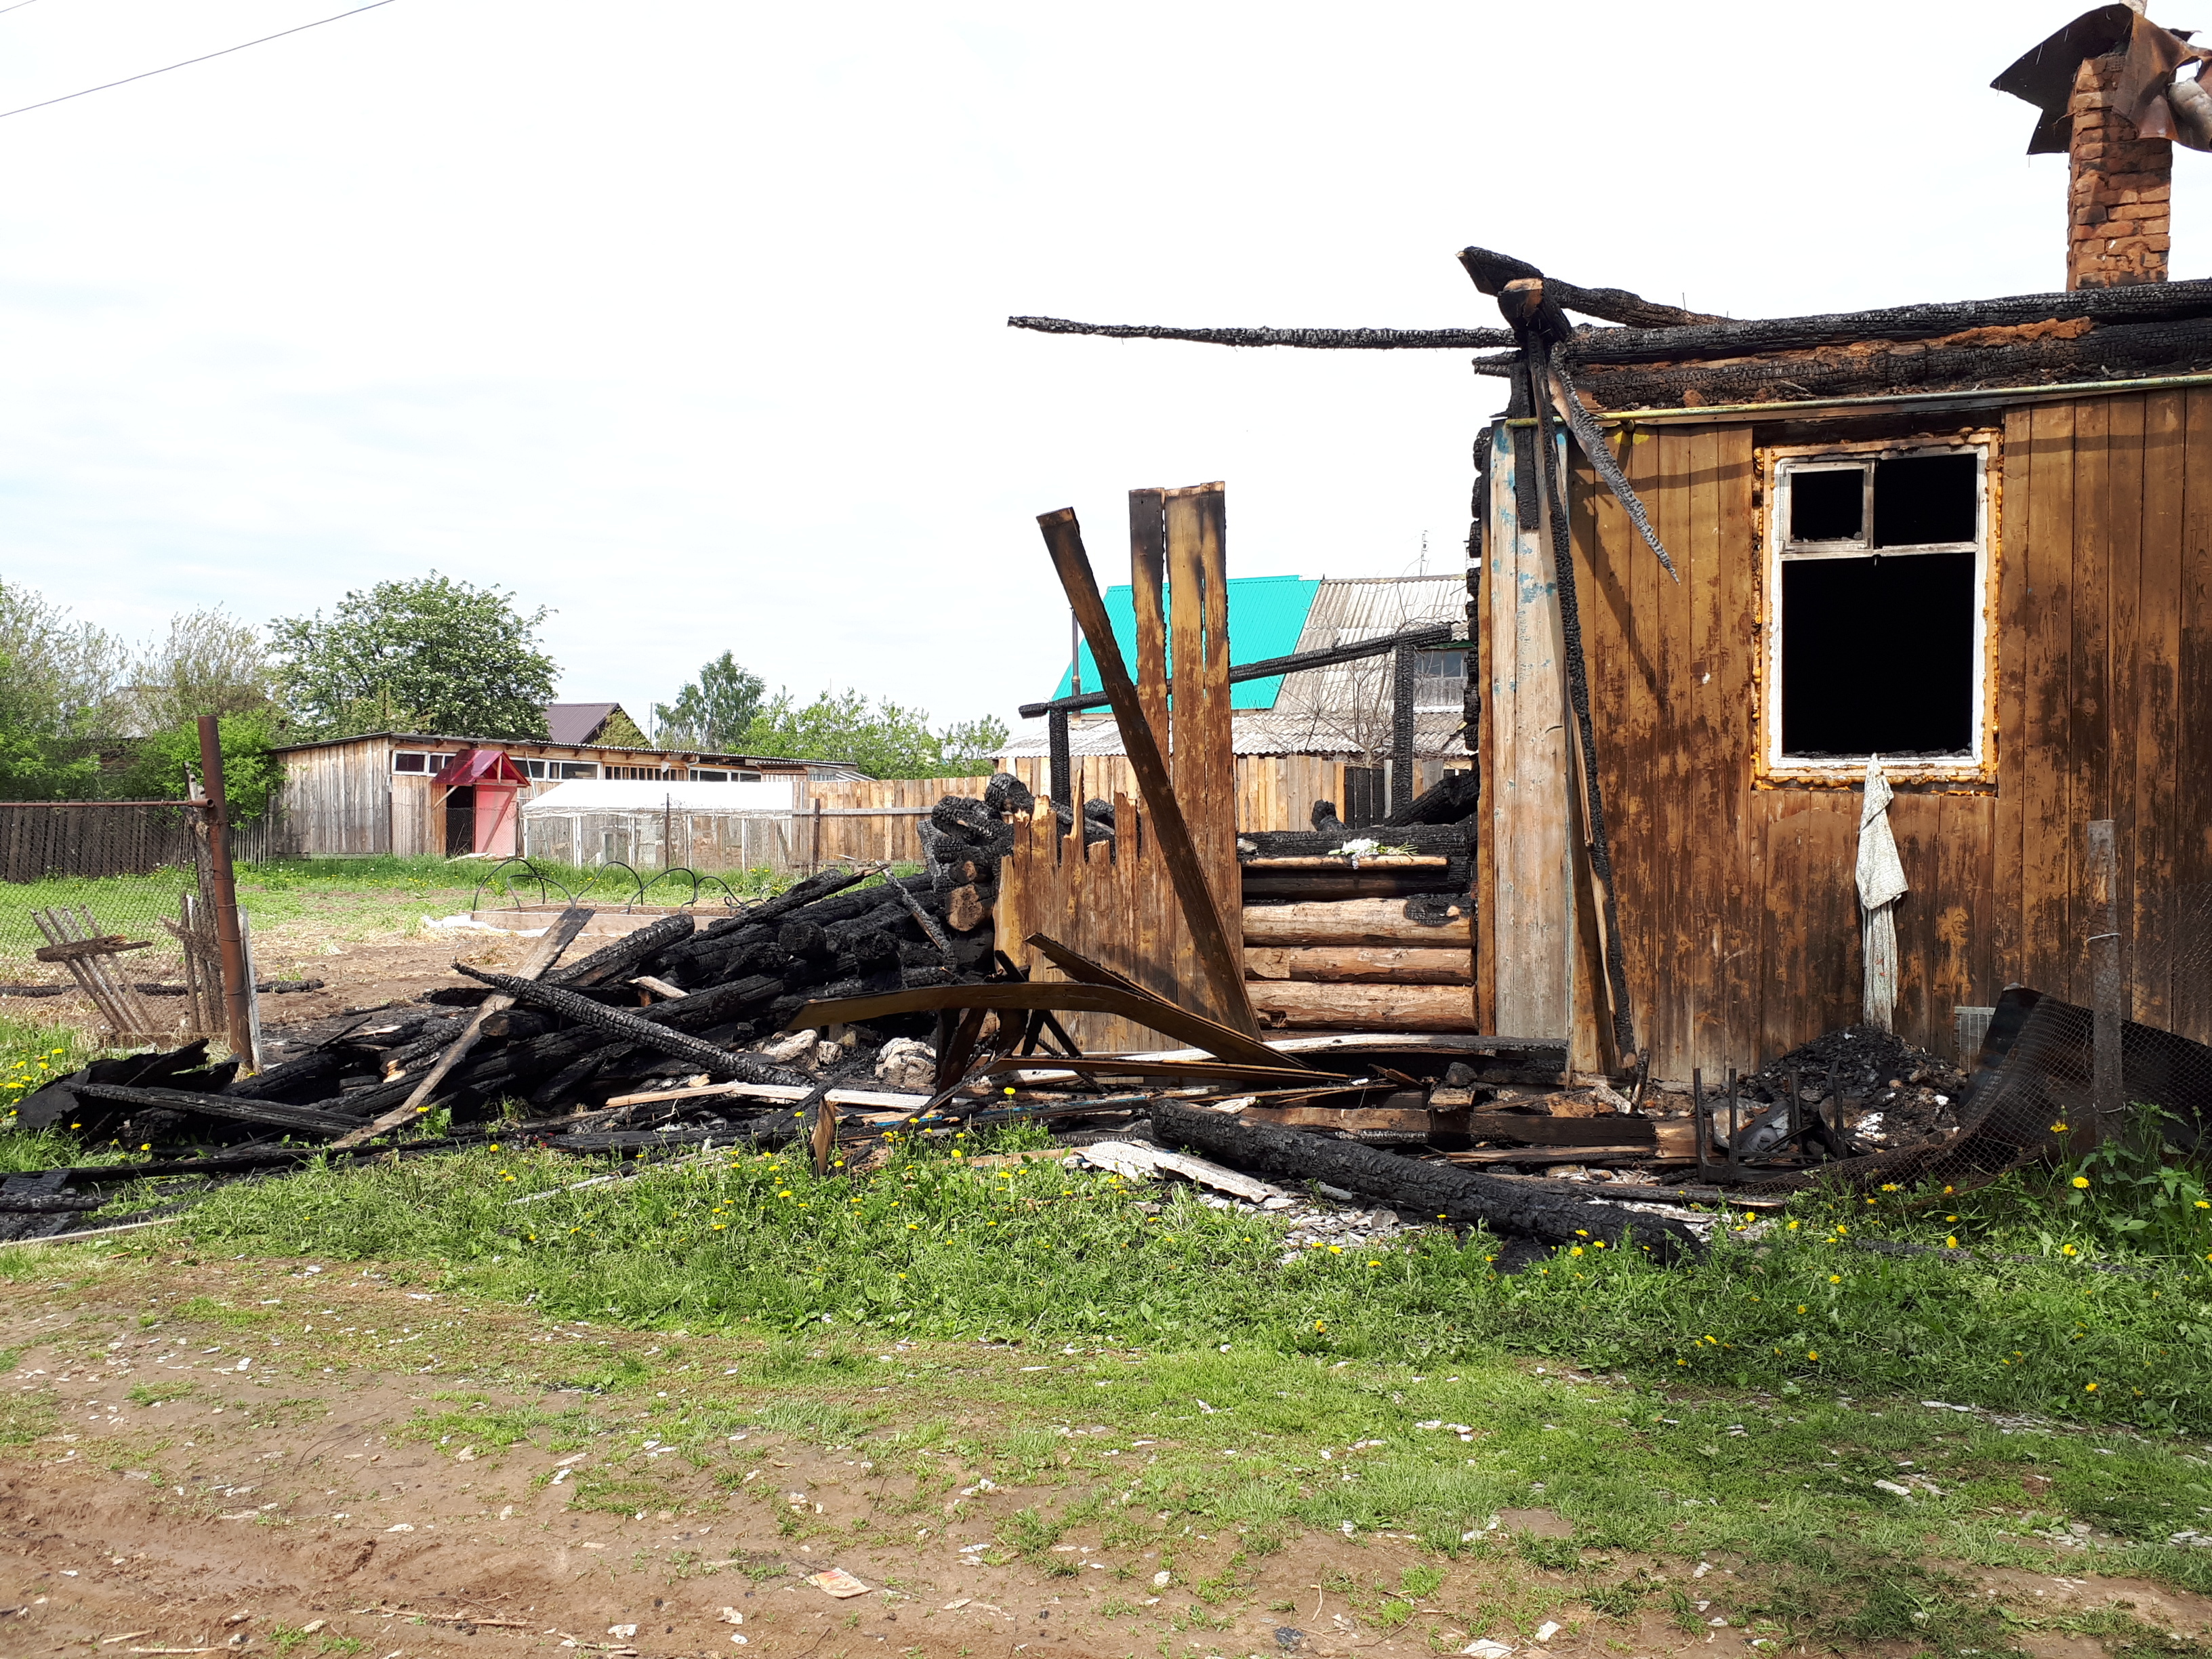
(1309, 339)
(1491, 271)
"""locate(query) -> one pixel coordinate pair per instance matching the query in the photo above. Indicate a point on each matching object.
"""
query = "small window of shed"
(1880, 566)
(404, 762)
(709, 775)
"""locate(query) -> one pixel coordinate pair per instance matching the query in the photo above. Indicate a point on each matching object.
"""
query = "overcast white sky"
(687, 319)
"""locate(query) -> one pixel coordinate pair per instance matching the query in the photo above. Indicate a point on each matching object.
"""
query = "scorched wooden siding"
(1737, 899)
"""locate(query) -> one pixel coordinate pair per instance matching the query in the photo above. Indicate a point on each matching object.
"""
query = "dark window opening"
(1923, 499)
(410, 764)
(1878, 655)
(1828, 506)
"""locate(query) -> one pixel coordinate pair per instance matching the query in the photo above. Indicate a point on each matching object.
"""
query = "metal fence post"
(237, 987)
(2108, 1092)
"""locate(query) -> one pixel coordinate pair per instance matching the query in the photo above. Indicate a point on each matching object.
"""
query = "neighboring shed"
(386, 792)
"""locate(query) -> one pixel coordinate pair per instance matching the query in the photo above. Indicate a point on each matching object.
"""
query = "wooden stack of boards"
(1360, 964)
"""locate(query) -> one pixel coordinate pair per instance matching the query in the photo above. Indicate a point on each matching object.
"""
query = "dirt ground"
(356, 974)
(188, 1484)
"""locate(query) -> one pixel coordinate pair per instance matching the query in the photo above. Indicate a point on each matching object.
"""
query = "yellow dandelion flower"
(2081, 1181)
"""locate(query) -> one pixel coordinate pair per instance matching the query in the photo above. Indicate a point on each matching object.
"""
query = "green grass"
(31, 1055)
(928, 1248)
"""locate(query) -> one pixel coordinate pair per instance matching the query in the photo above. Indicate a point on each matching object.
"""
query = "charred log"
(1425, 1189)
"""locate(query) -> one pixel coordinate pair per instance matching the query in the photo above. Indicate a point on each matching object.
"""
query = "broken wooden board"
(1364, 1007)
(76, 950)
(1353, 921)
(1362, 964)
(1131, 1158)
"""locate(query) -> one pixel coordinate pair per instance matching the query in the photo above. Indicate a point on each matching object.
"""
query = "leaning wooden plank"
(1082, 969)
(1216, 1040)
(1365, 1007)
(543, 955)
(237, 1108)
(1217, 952)
(1352, 921)
(1361, 964)
(1422, 1189)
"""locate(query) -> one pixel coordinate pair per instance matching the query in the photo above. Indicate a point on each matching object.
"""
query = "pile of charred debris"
(858, 1005)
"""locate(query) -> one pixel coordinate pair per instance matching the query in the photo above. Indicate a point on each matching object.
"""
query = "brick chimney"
(2119, 223)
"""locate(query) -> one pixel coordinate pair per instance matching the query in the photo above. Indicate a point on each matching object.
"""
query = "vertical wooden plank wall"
(1739, 903)
(1115, 903)
(1525, 785)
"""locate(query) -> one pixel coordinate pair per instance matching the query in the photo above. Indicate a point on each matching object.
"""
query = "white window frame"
(422, 771)
(1976, 763)
(1433, 686)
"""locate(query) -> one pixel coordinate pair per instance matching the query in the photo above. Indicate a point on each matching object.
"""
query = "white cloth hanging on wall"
(1881, 884)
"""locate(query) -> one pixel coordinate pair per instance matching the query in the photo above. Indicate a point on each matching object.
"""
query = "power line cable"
(18, 6)
(188, 62)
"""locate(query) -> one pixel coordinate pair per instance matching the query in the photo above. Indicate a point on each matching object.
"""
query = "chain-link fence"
(2048, 1082)
(77, 876)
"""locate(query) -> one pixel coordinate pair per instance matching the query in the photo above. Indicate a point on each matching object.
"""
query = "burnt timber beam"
(2102, 307)
(1309, 339)
(1434, 636)
(2131, 351)
(1492, 271)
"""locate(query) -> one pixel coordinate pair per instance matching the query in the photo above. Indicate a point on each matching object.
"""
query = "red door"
(495, 818)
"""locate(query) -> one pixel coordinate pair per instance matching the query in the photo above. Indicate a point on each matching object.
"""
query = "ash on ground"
(1895, 1095)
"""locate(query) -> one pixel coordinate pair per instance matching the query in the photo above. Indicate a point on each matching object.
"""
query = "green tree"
(455, 658)
(713, 711)
(209, 663)
(165, 759)
(35, 763)
(58, 683)
(883, 739)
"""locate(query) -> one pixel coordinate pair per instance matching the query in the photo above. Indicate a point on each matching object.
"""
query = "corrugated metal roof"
(1266, 615)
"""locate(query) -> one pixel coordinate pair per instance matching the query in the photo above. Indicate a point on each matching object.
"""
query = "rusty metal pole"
(2108, 1092)
(237, 992)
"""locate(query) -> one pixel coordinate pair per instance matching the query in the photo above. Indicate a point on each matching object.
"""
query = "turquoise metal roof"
(1266, 614)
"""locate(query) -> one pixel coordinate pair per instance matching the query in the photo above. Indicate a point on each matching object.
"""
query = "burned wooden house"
(1724, 573)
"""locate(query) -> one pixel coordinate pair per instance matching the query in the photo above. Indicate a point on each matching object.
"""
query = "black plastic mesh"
(2032, 1091)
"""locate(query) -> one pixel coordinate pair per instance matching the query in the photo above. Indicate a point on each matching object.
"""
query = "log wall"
(1738, 899)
